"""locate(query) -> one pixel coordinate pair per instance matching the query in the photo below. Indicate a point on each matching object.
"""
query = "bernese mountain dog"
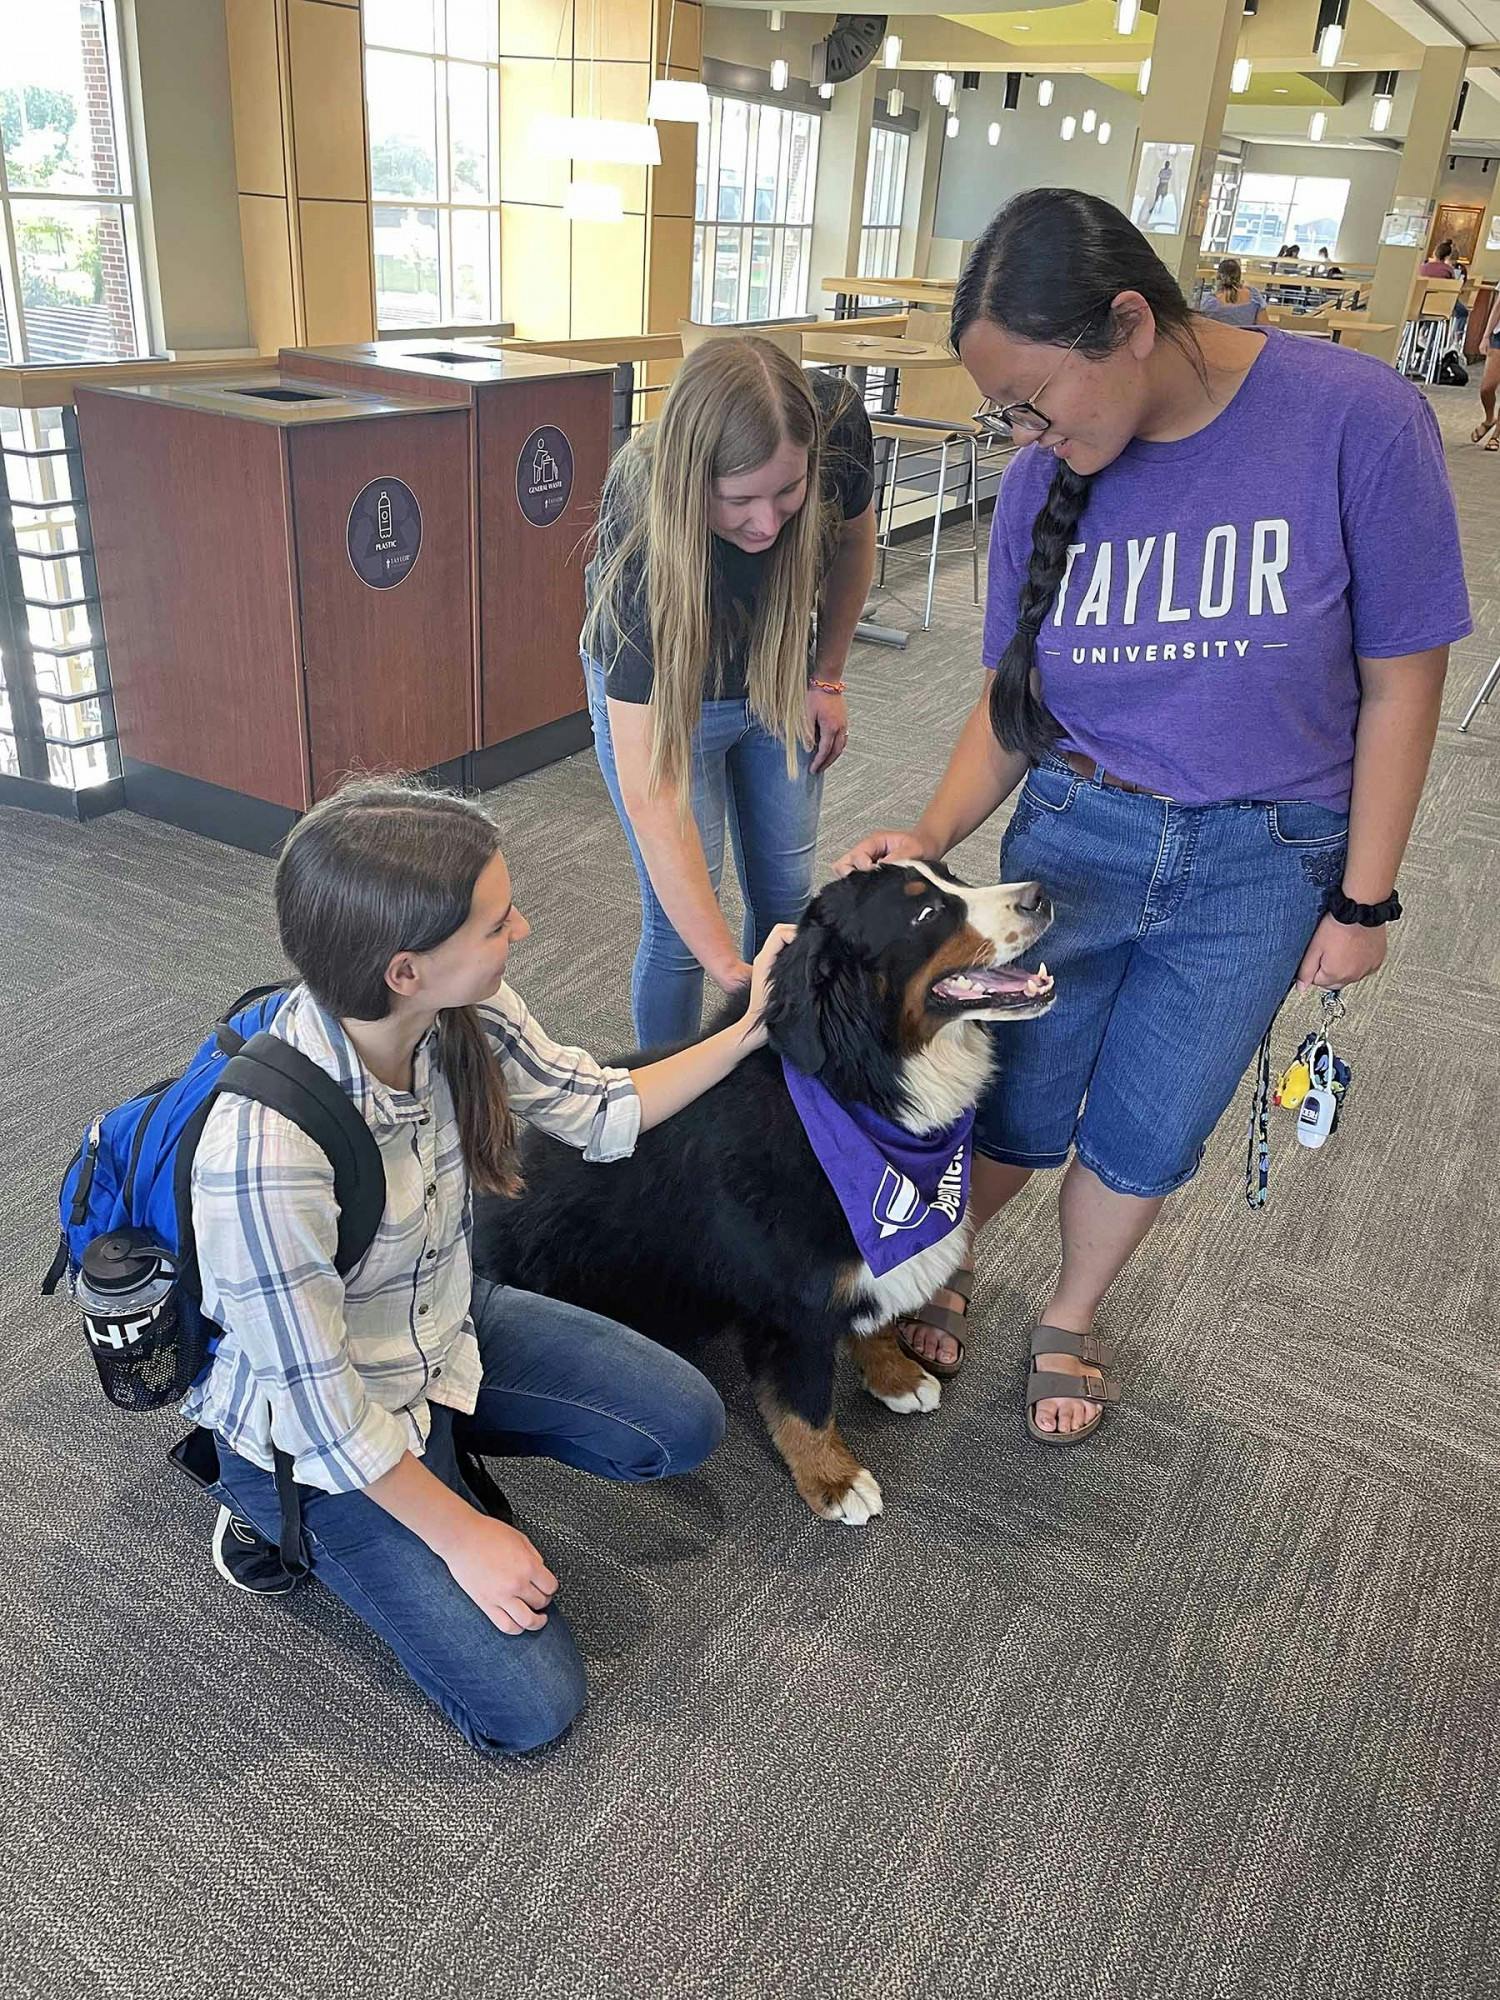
(723, 1216)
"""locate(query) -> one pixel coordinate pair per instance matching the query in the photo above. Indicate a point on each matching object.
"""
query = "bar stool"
(1487, 688)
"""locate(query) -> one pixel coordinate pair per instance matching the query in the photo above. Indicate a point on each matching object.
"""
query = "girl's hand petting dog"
(891, 844)
(760, 978)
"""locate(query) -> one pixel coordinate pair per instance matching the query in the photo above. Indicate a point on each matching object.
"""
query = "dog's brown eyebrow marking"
(917, 888)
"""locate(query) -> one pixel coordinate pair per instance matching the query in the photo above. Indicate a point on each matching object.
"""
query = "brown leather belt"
(1087, 768)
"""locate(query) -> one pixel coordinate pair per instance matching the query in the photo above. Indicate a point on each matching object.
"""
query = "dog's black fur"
(722, 1216)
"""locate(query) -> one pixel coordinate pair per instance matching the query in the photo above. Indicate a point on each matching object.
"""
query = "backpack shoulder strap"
(272, 1072)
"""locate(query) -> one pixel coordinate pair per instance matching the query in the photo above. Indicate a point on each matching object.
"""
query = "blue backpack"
(128, 1195)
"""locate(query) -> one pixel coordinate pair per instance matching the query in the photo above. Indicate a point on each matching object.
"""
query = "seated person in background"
(1440, 263)
(1326, 268)
(1232, 300)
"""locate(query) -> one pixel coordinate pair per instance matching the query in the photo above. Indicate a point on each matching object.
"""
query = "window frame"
(445, 205)
(125, 201)
(1283, 209)
(710, 231)
(886, 169)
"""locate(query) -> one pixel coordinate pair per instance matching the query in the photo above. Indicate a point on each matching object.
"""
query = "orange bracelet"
(828, 687)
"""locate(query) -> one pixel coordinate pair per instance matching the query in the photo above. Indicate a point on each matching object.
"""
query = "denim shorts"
(1178, 932)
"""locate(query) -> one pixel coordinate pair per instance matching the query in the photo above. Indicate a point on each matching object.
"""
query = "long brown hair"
(734, 404)
(383, 866)
(1229, 277)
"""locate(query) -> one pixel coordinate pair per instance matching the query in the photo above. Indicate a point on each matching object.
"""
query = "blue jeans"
(558, 1383)
(1178, 931)
(739, 772)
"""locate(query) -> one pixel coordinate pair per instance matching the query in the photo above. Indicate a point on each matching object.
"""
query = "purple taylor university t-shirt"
(1218, 589)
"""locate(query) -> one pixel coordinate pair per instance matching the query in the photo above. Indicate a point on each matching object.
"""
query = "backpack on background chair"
(125, 1207)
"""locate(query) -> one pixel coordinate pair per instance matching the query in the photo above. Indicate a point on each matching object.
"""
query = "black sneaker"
(244, 1557)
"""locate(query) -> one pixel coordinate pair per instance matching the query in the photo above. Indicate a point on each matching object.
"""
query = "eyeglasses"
(1003, 420)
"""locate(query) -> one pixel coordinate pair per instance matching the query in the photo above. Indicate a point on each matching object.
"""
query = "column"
(297, 85)
(1190, 63)
(1422, 158)
(839, 206)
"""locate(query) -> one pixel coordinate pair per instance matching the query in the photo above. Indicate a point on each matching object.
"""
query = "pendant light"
(943, 85)
(1317, 125)
(895, 101)
(1143, 77)
(1240, 75)
(1044, 92)
(1089, 119)
(1127, 12)
(892, 54)
(674, 100)
(993, 135)
(779, 73)
(1384, 101)
(1104, 131)
(951, 128)
(1067, 128)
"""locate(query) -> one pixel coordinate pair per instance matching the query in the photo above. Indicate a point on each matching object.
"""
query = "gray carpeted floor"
(1205, 1708)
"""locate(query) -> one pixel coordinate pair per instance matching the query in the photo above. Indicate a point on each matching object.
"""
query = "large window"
(885, 193)
(1273, 209)
(757, 170)
(70, 286)
(432, 85)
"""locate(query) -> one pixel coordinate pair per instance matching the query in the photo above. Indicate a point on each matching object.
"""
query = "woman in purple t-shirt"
(1224, 576)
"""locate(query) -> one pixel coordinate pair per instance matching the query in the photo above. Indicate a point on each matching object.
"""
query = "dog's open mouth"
(993, 986)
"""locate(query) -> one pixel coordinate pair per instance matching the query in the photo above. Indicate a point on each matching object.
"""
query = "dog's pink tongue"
(993, 980)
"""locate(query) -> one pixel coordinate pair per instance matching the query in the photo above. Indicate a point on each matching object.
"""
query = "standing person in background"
(735, 550)
(1215, 644)
(1490, 380)
(1233, 301)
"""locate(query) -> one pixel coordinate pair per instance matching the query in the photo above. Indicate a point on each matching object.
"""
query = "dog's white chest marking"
(910, 1284)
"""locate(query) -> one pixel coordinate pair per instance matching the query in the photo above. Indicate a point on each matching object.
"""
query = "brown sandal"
(1044, 1383)
(942, 1319)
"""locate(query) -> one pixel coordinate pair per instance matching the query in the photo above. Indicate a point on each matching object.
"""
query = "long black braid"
(1018, 715)
(1047, 269)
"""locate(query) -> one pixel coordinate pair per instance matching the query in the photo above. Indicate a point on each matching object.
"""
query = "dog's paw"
(859, 1502)
(925, 1394)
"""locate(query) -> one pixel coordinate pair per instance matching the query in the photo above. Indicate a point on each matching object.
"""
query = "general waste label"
(544, 475)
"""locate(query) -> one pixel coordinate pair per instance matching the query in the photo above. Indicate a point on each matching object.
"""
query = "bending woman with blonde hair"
(735, 549)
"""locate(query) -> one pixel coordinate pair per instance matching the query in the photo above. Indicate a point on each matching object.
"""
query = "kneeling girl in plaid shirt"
(395, 907)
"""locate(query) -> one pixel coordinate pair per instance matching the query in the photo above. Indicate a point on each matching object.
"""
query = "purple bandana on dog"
(900, 1194)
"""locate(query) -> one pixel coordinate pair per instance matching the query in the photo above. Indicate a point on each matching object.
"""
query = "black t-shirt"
(848, 483)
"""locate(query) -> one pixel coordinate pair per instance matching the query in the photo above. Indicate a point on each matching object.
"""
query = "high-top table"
(847, 292)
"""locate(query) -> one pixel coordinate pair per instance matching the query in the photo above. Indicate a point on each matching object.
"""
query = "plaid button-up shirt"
(342, 1370)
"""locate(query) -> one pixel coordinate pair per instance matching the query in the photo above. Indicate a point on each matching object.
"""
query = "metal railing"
(57, 720)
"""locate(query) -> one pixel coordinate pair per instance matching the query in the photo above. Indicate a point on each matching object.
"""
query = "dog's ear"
(792, 1010)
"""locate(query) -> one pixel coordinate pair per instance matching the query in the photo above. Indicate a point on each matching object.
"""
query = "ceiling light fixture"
(951, 128)
(673, 101)
(775, 20)
(1090, 119)
(1104, 131)
(1127, 12)
(1044, 92)
(1317, 125)
(1239, 76)
(1143, 77)
(1328, 35)
(593, 201)
(1384, 100)
(892, 52)
(993, 135)
(1068, 127)
(943, 87)
(895, 100)
(825, 91)
(779, 73)
(613, 140)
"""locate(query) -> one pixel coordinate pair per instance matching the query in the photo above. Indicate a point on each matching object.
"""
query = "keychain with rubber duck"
(1312, 1086)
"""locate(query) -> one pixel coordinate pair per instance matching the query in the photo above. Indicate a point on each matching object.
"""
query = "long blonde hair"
(734, 404)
